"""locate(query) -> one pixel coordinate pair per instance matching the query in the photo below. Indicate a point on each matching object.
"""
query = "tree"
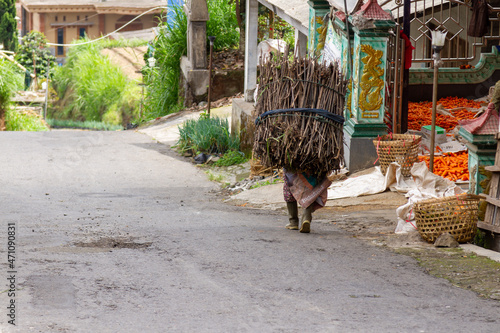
(33, 53)
(240, 7)
(8, 24)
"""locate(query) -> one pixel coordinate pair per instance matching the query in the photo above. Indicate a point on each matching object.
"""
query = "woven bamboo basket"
(456, 215)
(400, 148)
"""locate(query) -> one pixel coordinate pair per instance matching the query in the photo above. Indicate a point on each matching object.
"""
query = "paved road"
(113, 233)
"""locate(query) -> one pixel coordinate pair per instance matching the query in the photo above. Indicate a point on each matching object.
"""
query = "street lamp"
(438, 39)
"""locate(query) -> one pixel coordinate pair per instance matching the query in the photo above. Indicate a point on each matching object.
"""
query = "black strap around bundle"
(320, 112)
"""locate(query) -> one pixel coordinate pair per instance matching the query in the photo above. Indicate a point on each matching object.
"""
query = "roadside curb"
(481, 251)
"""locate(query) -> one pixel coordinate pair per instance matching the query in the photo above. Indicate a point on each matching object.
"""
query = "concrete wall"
(71, 32)
(36, 22)
(147, 21)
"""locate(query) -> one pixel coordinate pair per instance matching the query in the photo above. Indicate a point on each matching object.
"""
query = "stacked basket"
(456, 215)
(400, 148)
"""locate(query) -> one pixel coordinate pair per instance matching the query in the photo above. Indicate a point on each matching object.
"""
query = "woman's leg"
(293, 216)
(291, 205)
(306, 220)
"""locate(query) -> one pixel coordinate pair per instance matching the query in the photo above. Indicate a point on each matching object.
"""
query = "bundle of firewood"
(299, 123)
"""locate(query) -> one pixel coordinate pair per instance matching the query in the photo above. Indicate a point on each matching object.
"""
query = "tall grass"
(11, 80)
(91, 88)
(162, 94)
(19, 121)
(162, 91)
(209, 135)
(122, 42)
(223, 24)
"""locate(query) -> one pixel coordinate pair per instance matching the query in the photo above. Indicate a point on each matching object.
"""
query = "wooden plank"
(492, 168)
(493, 201)
(488, 215)
(494, 185)
(486, 226)
(494, 214)
(496, 217)
(497, 155)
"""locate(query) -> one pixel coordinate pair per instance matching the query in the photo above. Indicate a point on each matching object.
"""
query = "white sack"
(371, 183)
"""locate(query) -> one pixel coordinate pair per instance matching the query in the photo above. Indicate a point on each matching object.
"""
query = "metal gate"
(427, 15)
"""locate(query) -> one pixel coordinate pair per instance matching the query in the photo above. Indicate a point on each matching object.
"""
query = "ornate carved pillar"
(369, 70)
(371, 25)
(317, 11)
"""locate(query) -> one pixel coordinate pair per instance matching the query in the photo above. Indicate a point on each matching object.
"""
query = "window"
(77, 17)
(64, 18)
(82, 32)
(56, 18)
(60, 40)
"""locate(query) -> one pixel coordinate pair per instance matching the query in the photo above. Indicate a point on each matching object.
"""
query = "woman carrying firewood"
(299, 127)
(310, 191)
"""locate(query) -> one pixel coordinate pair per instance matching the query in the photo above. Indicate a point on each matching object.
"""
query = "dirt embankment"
(129, 59)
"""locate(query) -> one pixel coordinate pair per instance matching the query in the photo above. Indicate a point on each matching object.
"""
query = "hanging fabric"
(408, 49)
(480, 18)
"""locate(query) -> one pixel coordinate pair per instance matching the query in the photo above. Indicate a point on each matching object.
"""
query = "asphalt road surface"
(111, 232)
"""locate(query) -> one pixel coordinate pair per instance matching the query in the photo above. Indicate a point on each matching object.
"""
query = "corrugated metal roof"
(352, 5)
(296, 9)
(415, 6)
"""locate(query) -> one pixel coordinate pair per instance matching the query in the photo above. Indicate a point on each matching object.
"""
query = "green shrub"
(112, 116)
(18, 121)
(223, 24)
(92, 125)
(231, 157)
(267, 182)
(33, 53)
(11, 80)
(208, 135)
(88, 85)
(162, 81)
(8, 25)
(282, 29)
(107, 43)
